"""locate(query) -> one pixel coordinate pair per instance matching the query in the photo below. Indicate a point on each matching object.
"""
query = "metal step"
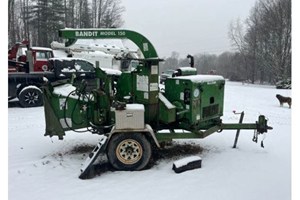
(86, 168)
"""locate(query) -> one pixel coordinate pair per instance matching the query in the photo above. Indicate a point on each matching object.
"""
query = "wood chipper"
(131, 112)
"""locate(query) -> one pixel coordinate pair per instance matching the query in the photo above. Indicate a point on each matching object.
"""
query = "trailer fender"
(148, 131)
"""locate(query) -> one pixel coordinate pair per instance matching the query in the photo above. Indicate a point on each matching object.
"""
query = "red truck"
(18, 56)
(29, 68)
(26, 68)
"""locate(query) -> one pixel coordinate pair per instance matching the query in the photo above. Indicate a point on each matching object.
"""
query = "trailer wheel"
(129, 151)
(30, 96)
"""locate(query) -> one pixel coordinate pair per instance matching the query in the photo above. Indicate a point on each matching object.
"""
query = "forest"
(262, 42)
(262, 46)
(39, 20)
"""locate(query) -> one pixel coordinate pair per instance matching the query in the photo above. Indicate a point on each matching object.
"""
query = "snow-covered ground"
(40, 168)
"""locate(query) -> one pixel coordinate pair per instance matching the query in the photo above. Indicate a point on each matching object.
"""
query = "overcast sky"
(185, 26)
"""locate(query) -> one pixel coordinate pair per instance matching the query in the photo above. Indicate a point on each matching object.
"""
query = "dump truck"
(132, 114)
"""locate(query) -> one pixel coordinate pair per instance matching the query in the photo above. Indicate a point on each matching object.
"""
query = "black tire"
(129, 151)
(30, 97)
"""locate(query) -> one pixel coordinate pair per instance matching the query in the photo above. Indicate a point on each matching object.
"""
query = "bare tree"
(266, 43)
(275, 37)
(110, 13)
(39, 20)
(236, 35)
(11, 22)
(251, 43)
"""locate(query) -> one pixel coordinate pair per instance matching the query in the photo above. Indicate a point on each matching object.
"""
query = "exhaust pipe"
(192, 60)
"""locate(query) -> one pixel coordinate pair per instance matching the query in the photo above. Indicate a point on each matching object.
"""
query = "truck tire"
(30, 96)
(129, 151)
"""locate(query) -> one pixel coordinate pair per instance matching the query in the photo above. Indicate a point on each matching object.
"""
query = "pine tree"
(47, 16)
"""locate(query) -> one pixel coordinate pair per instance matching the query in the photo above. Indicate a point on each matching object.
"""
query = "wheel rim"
(129, 151)
(31, 98)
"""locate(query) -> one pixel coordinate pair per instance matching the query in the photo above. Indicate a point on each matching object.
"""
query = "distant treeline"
(263, 47)
(262, 41)
(40, 20)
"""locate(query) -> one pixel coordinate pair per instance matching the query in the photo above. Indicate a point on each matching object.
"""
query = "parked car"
(284, 84)
(169, 73)
(181, 71)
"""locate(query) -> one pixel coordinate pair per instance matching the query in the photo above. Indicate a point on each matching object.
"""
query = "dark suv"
(168, 74)
(64, 68)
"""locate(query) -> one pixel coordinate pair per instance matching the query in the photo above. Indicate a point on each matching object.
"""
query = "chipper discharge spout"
(130, 111)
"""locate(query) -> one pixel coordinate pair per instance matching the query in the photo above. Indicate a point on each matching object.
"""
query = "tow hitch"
(260, 127)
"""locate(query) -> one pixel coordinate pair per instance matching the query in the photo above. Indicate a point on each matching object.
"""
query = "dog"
(283, 100)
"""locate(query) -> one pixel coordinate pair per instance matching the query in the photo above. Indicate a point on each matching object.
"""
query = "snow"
(201, 78)
(68, 90)
(107, 70)
(93, 50)
(185, 161)
(59, 53)
(43, 168)
(68, 70)
(112, 71)
(166, 102)
(30, 87)
(187, 69)
(96, 53)
(105, 46)
(135, 107)
(64, 90)
(41, 48)
(61, 59)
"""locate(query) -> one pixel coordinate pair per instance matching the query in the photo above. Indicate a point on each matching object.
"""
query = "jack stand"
(87, 167)
(238, 130)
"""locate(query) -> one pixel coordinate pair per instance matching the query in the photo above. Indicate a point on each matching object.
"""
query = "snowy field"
(41, 168)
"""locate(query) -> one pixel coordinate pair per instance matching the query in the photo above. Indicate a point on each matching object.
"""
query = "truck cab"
(19, 54)
(41, 55)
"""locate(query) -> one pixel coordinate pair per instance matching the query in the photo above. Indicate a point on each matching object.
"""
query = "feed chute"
(146, 47)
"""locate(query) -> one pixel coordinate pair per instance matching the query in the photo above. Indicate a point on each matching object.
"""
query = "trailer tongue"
(132, 112)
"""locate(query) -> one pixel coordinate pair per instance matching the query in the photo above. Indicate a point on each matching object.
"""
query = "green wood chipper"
(131, 111)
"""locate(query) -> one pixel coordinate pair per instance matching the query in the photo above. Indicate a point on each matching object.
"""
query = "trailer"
(132, 114)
